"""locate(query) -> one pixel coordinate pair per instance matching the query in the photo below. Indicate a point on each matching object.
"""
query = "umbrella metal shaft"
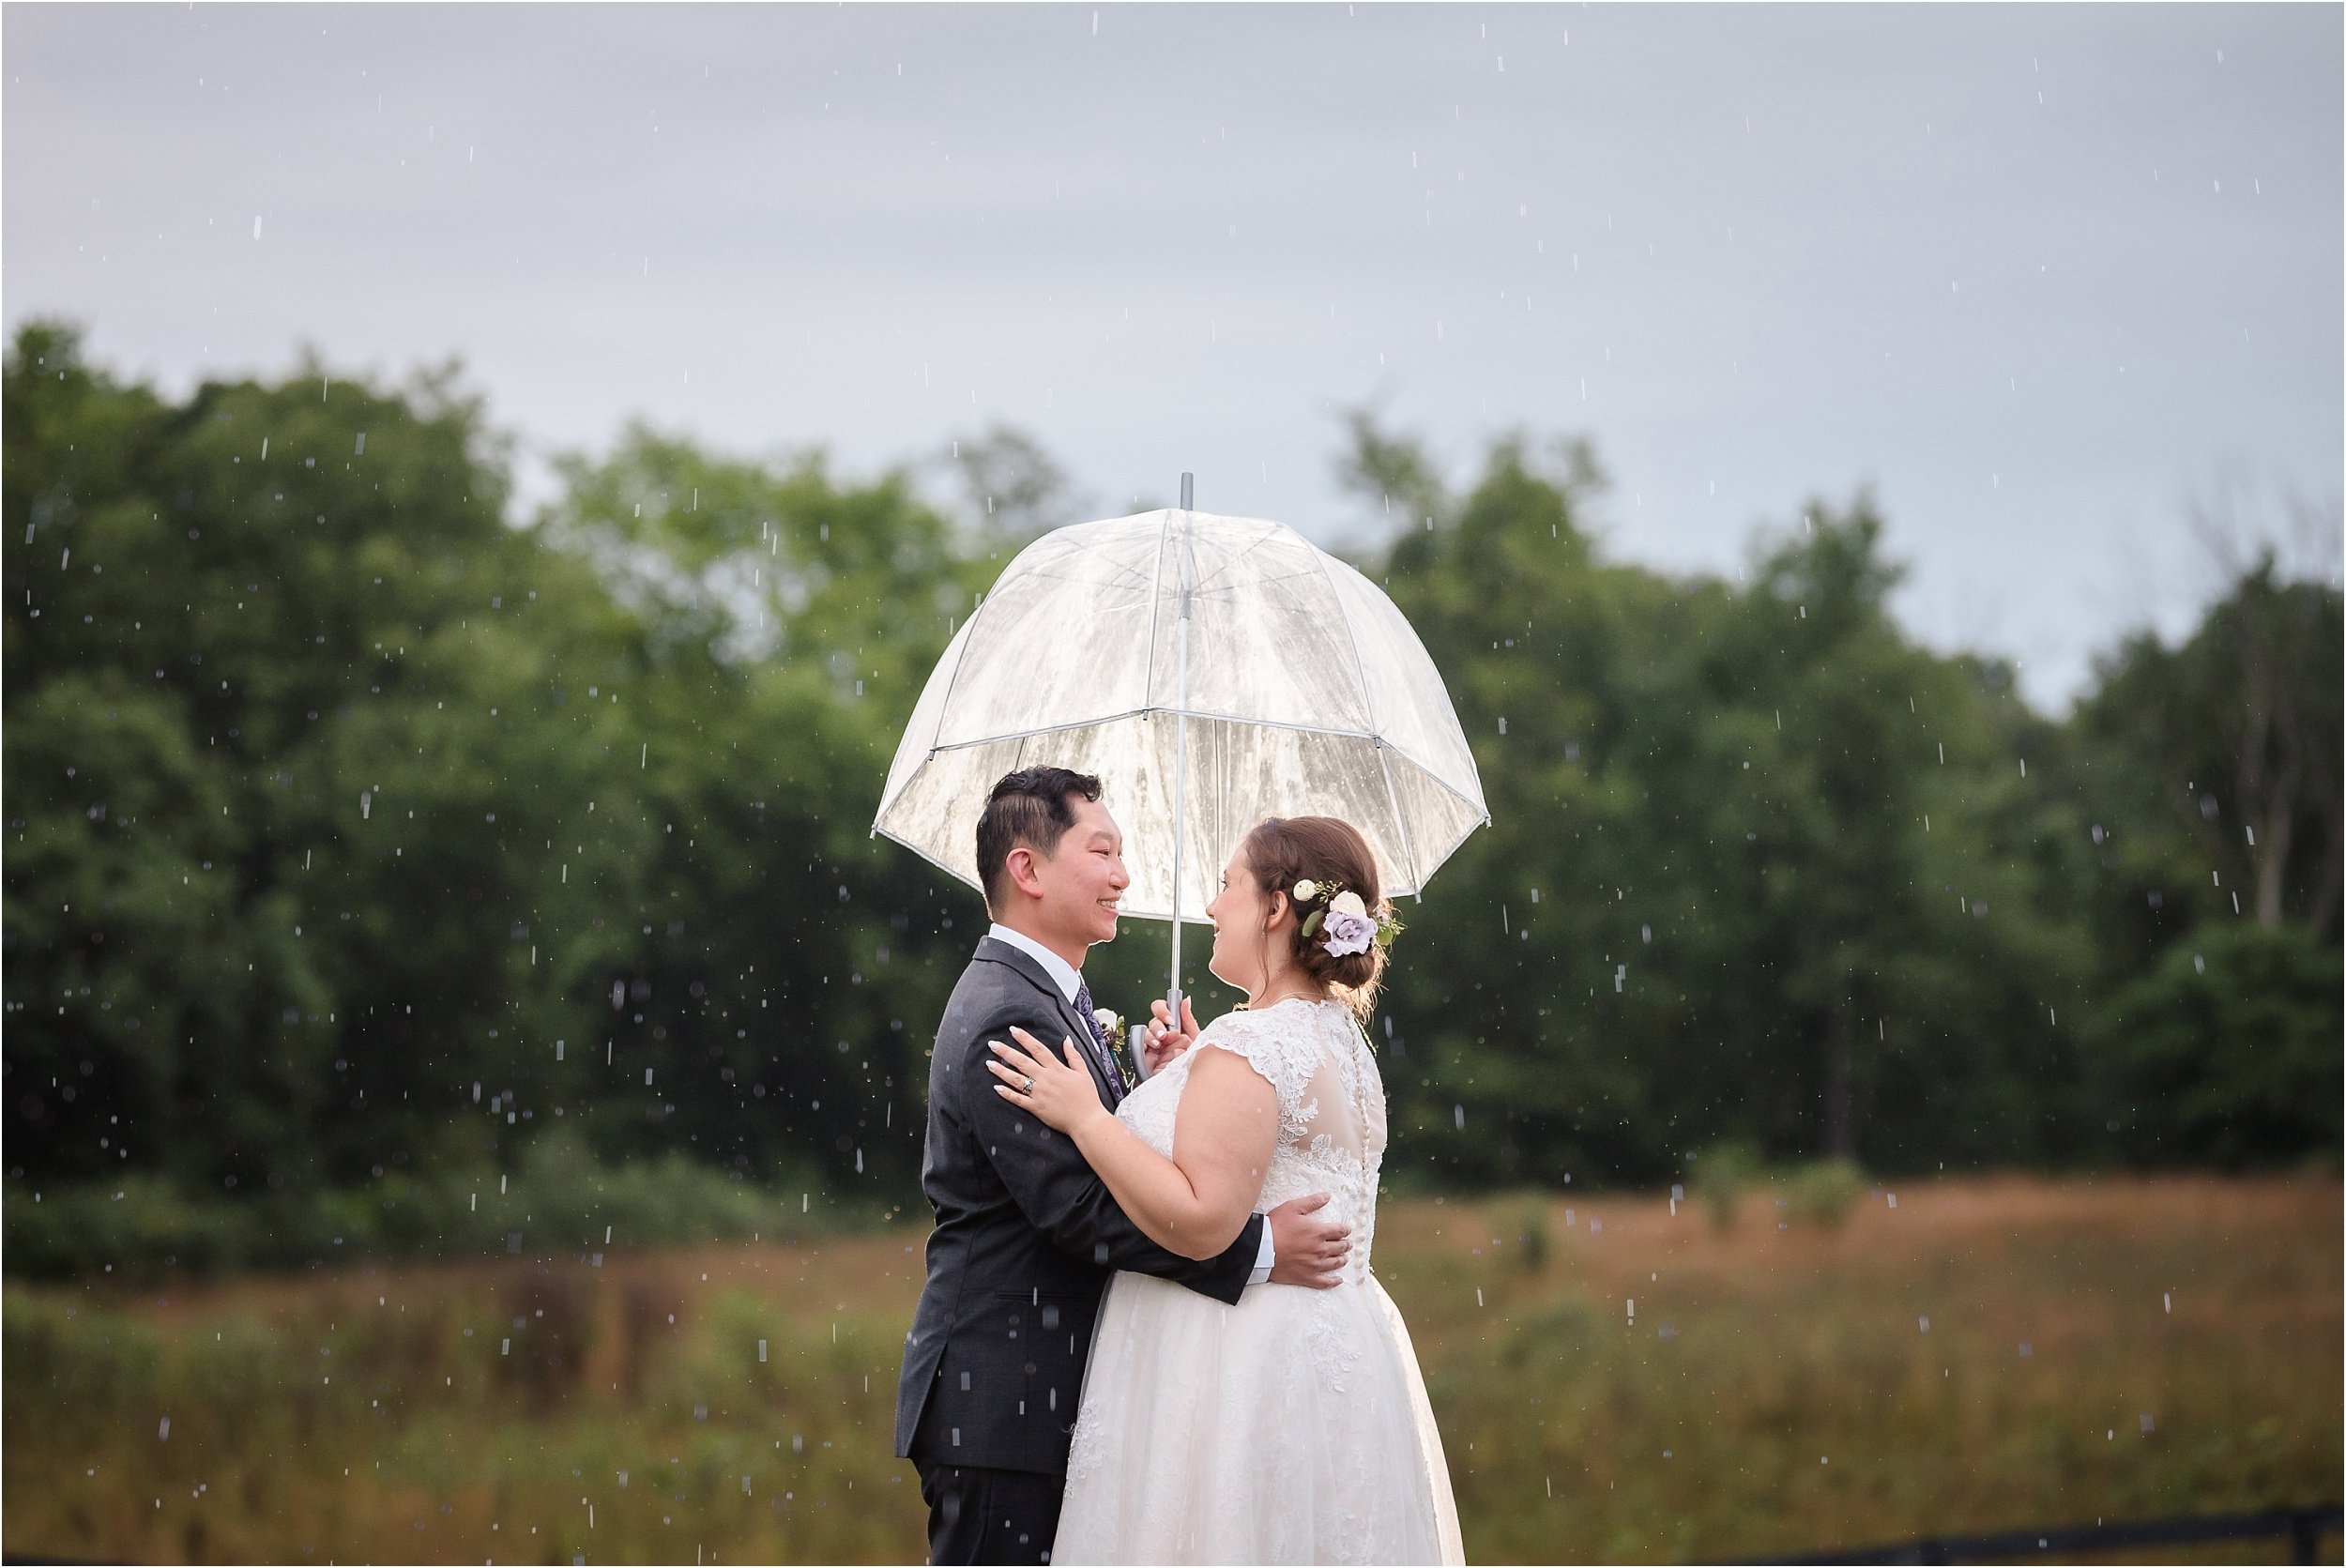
(1180, 762)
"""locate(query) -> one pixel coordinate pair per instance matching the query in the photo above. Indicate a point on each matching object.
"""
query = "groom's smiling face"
(1081, 882)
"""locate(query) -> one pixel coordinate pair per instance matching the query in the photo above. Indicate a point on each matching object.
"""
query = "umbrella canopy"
(1223, 668)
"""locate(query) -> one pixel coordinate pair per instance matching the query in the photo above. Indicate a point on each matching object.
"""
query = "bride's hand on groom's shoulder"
(1163, 1043)
(1054, 1087)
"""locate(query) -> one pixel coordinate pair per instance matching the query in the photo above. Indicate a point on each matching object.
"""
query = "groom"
(1026, 1235)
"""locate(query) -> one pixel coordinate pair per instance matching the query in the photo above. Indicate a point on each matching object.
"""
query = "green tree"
(249, 637)
(792, 967)
(1759, 867)
(2227, 1051)
(353, 828)
(2218, 758)
(359, 835)
(2211, 772)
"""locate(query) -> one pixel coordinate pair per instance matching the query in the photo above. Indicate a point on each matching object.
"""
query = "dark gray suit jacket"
(1025, 1241)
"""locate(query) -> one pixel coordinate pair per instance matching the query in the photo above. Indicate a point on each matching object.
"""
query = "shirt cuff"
(1263, 1259)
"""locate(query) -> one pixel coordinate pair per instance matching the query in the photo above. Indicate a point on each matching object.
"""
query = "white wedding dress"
(1292, 1427)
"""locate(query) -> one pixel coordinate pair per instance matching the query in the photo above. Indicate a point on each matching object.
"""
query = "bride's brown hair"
(1282, 850)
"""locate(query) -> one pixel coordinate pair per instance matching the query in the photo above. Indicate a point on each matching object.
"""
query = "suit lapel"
(993, 951)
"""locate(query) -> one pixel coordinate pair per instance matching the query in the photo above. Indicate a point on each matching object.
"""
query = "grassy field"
(1615, 1381)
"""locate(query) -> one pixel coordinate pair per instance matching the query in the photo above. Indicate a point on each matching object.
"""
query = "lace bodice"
(1289, 1426)
(1332, 1108)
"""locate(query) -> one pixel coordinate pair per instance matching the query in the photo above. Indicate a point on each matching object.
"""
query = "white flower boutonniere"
(1111, 1025)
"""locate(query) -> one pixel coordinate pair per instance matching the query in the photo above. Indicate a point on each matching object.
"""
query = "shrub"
(1533, 1256)
(1823, 1191)
(2226, 1052)
(1721, 1175)
(561, 1199)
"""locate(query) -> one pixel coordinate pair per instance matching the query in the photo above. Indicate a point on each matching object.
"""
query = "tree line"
(354, 830)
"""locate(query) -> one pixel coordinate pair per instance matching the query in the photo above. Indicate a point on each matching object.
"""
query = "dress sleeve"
(1285, 1059)
(1045, 1175)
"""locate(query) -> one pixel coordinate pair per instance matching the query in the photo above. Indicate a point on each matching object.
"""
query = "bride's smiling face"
(1243, 916)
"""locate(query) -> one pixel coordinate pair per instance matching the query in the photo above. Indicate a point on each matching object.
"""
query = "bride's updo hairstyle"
(1284, 850)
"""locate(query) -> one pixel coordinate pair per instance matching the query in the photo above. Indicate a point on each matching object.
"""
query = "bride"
(1292, 1427)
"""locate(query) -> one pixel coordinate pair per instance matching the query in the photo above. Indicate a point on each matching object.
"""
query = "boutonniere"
(1111, 1025)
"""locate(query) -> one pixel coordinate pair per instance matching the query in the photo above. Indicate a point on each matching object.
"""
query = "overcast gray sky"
(2034, 273)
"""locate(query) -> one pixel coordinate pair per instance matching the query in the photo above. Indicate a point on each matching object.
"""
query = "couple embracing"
(1148, 1331)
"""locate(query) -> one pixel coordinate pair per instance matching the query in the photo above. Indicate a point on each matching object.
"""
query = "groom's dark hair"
(1029, 807)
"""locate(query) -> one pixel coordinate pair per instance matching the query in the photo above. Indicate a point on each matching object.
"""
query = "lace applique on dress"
(1083, 1454)
(1333, 1349)
(1285, 1056)
(1331, 1134)
(1312, 1398)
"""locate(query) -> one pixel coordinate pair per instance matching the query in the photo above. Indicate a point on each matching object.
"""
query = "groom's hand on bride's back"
(1305, 1249)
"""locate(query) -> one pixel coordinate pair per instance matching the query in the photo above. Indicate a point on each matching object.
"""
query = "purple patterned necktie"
(1107, 1057)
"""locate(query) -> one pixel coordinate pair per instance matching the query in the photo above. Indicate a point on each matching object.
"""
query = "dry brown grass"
(1787, 1373)
(1784, 1347)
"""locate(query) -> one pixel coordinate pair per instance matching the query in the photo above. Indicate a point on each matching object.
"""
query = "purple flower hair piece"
(1348, 933)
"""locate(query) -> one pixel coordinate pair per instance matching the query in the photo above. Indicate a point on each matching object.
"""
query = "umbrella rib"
(1462, 796)
(1482, 812)
(1370, 708)
(1056, 575)
(1156, 600)
(1204, 588)
(1270, 535)
(1400, 823)
(1447, 850)
(923, 853)
(1224, 569)
(945, 703)
(1360, 669)
(1008, 736)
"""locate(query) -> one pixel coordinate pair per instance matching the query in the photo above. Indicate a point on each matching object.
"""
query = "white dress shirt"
(1063, 975)
(1060, 971)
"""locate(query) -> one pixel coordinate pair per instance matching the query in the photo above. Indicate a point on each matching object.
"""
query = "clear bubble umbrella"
(1212, 671)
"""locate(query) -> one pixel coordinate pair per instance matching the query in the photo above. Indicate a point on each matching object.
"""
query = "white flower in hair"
(1349, 903)
(1306, 889)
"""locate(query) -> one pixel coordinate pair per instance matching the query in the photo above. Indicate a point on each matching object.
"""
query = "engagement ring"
(1025, 1083)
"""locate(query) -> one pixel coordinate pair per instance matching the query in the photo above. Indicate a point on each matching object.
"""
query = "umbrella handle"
(1139, 1053)
(1172, 1007)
